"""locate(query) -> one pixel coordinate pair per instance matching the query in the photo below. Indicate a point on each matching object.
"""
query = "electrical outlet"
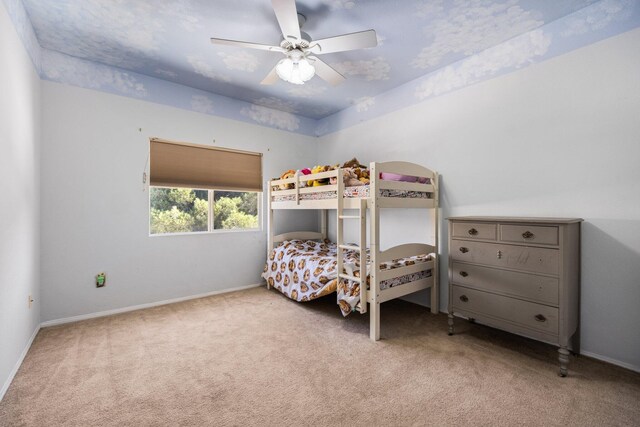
(30, 301)
(101, 280)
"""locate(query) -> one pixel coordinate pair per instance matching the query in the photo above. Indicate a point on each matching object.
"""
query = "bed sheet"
(304, 270)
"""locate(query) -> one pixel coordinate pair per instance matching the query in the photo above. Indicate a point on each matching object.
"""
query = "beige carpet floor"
(256, 358)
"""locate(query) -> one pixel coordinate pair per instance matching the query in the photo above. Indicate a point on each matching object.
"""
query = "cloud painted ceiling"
(159, 50)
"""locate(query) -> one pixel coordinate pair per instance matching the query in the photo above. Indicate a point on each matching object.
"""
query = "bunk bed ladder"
(374, 251)
(362, 244)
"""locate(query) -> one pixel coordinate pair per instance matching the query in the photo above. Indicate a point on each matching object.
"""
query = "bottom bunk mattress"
(304, 270)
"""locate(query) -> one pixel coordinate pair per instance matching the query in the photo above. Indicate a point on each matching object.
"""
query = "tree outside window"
(184, 210)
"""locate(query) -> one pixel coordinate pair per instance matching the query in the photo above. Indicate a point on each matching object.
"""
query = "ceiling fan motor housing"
(292, 43)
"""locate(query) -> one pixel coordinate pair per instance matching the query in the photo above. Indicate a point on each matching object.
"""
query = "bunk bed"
(304, 265)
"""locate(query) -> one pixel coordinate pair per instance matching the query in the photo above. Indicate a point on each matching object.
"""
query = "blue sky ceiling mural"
(159, 50)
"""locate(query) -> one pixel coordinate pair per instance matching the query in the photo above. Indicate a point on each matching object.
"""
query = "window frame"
(210, 219)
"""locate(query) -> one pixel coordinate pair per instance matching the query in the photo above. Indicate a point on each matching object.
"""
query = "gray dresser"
(521, 275)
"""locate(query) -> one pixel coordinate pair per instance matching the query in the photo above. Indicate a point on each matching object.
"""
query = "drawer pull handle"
(540, 318)
(464, 250)
(464, 273)
(473, 232)
(464, 298)
(528, 235)
(499, 255)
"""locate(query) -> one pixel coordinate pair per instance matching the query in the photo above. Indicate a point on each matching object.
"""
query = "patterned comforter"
(304, 270)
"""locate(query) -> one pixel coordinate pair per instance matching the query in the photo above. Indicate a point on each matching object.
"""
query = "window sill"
(200, 233)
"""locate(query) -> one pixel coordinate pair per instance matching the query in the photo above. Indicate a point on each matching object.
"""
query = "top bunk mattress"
(361, 191)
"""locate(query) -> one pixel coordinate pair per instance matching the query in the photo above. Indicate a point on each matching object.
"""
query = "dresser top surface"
(516, 219)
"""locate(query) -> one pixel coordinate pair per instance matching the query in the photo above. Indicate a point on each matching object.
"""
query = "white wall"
(561, 138)
(19, 209)
(95, 214)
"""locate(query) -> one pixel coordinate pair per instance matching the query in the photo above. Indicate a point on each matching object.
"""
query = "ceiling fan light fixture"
(295, 70)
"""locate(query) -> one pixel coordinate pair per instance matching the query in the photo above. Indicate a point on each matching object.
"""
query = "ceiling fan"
(300, 64)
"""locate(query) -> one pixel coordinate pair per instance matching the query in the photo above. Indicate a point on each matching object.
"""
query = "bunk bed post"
(374, 285)
(323, 224)
(435, 295)
(296, 185)
(270, 232)
(339, 223)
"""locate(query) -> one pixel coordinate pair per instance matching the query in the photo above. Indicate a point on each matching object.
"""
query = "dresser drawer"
(475, 230)
(528, 314)
(529, 234)
(524, 258)
(511, 283)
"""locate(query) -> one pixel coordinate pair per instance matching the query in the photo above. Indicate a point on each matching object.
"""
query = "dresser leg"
(450, 321)
(564, 361)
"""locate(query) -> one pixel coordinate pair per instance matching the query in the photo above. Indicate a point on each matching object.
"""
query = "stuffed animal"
(288, 174)
(305, 171)
(318, 182)
(362, 174)
(353, 163)
(350, 178)
(332, 180)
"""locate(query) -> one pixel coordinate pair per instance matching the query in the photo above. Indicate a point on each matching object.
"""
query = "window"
(186, 210)
(198, 188)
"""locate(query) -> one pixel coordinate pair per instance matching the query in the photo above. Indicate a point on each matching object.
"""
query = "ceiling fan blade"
(271, 78)
(249, 45)
(360, 40)
(325, 72)
(287, 16)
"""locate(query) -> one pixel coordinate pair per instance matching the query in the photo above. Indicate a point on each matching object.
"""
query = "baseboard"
(141, 306)
(14, 371)
(610, 360)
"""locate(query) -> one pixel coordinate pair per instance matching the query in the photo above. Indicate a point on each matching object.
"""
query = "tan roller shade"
(176, 164)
